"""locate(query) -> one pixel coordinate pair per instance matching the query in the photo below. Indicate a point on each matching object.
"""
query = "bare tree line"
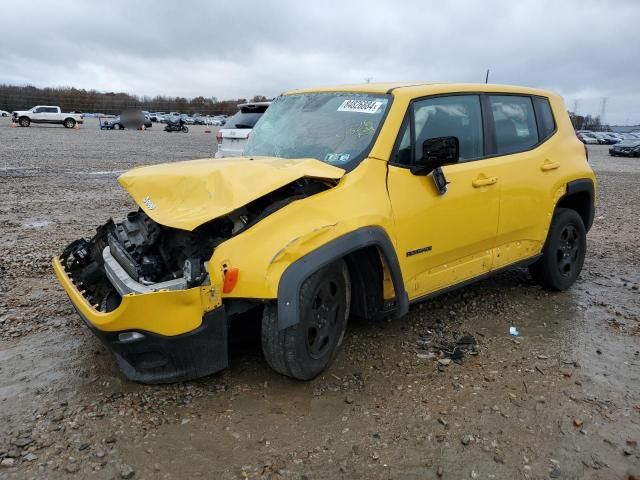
(14, 97)
(587, 122)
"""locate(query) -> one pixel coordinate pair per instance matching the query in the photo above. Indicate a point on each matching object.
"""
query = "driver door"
(444, 239)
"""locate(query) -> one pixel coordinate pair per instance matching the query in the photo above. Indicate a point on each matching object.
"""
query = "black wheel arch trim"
(584, 185)
(296, 273)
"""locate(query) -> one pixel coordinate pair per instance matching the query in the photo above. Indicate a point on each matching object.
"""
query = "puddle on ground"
(105, 172)
(36, 224)
(17, 169)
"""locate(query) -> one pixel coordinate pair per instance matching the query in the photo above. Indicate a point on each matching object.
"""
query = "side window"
(38, 110)
(453, 116)
(402, 153)
(546, 122)
(515, 123)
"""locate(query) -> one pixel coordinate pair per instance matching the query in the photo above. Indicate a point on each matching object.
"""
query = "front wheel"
(185, 129)
(306, 349)
(564, 251)
(24, 122)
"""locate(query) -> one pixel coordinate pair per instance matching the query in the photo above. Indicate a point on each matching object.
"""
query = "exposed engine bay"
(138, 255)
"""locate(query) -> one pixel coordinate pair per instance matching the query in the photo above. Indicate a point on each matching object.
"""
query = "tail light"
(219, 137)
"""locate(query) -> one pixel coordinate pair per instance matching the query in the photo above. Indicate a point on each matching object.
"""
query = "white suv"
(233, 136)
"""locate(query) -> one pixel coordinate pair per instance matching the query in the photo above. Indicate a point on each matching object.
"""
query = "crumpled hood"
(185, 195)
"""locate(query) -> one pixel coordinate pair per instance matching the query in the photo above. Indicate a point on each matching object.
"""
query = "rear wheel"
(564, 251)
(69, 123)
(304, 350)
(24, 122)
(185, 129)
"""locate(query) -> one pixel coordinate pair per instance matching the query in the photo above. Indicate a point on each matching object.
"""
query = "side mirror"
(437, 152)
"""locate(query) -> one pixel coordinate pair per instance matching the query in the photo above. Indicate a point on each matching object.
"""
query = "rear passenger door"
(50, 114)
(528, 167)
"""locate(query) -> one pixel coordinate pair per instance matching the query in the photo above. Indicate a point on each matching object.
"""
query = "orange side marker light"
(230, 280)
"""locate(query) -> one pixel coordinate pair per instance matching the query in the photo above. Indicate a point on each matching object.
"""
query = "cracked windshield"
(336, 128)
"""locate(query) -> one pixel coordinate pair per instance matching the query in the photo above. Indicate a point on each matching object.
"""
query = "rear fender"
(580, 196)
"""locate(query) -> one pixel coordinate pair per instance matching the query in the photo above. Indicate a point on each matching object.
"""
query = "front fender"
(264, 251)
(297, 272)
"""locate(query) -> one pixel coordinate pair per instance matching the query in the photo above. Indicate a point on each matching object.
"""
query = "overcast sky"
(586, 50)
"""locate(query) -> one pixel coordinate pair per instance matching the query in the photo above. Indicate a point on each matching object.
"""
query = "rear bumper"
(233, 148)
(157, 358)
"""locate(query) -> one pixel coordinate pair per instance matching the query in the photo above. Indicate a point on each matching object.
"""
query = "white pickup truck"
(46, 114)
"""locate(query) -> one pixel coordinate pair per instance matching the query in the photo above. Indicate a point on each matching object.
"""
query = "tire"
(564, 251)
(24, 122)
(69, 123)
(185, 129)
(306, 349)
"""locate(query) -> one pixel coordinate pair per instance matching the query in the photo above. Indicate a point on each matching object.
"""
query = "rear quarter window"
(544, 114)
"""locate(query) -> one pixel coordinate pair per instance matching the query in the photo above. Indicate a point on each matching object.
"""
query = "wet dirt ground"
(561, 400)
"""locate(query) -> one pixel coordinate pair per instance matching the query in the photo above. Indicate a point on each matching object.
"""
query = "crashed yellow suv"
(349, 201)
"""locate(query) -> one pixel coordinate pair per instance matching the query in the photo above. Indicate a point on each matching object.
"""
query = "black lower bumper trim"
(161, 359)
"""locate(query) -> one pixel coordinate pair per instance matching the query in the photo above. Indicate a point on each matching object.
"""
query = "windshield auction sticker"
(361, 106)
(337, 157)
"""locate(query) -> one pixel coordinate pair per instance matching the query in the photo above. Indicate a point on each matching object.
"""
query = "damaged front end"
(146, 291)
(138, 256)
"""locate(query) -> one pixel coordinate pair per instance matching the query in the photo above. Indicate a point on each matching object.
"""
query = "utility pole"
(486, 77)
(368, 79)
(574, 119)
(603, 109)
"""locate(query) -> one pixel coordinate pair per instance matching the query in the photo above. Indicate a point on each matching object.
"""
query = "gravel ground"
(562, 400)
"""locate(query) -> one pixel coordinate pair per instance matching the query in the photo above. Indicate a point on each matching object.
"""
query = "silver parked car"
(232, 138)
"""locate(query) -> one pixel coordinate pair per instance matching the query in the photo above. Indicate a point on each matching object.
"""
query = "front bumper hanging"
(189, 338)
(152, 358)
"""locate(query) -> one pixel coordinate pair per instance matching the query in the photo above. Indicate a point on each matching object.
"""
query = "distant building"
(625, 128)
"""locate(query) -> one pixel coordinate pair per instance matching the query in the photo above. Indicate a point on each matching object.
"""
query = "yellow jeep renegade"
(351, 200)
